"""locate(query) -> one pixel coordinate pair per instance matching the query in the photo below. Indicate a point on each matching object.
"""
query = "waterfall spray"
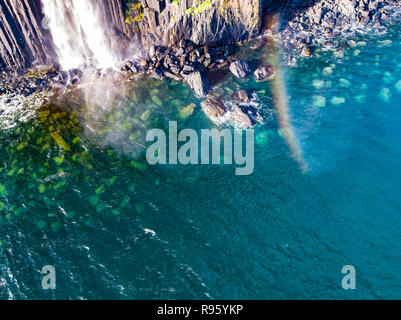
(78, 33)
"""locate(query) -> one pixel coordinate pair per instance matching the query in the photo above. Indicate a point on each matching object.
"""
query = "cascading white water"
(78, 33)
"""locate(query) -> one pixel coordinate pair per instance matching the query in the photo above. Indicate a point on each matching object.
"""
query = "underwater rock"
(327, 71)
(240, 69)
(264, 73)
(185, 112)
(337, 100)
(319, 101)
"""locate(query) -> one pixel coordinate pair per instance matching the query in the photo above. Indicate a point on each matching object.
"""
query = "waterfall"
(78, 31)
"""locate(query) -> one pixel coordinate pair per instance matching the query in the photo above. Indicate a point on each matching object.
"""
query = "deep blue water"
(118, 229)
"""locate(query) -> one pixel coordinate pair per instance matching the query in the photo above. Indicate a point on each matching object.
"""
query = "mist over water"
(79, 34)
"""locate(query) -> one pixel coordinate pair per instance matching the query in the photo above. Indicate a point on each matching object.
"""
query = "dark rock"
(188, 68)
(207, 61)
(172, 76)
(199, 52)
(201, 59)
(193, 57)
(180, 52)
(175, 69)
(330, 19)
(189, 48)
(75, 80)
(213, 108)
(184, 43)
(161, 52)
(240, 69)
(306, 52)
(22, 39)
(240, 96)
(260, 43)
(221, 65)
(264, 73)
(198, 82)
(158, 74)
(253, 113)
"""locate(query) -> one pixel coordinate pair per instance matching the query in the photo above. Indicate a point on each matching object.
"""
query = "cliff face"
(204, 22)
(123, 33)
(23, 40)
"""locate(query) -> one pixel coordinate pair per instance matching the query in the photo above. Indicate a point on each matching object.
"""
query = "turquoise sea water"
(117, 228)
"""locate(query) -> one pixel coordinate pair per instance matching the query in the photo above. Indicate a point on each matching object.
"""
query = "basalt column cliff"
(26, 37)
(23, 40)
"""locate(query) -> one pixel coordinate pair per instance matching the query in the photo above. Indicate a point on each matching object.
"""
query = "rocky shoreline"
(326, 24)
(322, 25)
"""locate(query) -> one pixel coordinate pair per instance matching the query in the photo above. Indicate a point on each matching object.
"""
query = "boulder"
(240, 96)
(240, 119)
(240, 69)
(252, 112)
(175, 69)
(185, 112)
(198, 82)
(306, 52)
(260, 43)
(214, 108)
(158, 74)
(173, 76)
(188, 68)
(264, 73)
